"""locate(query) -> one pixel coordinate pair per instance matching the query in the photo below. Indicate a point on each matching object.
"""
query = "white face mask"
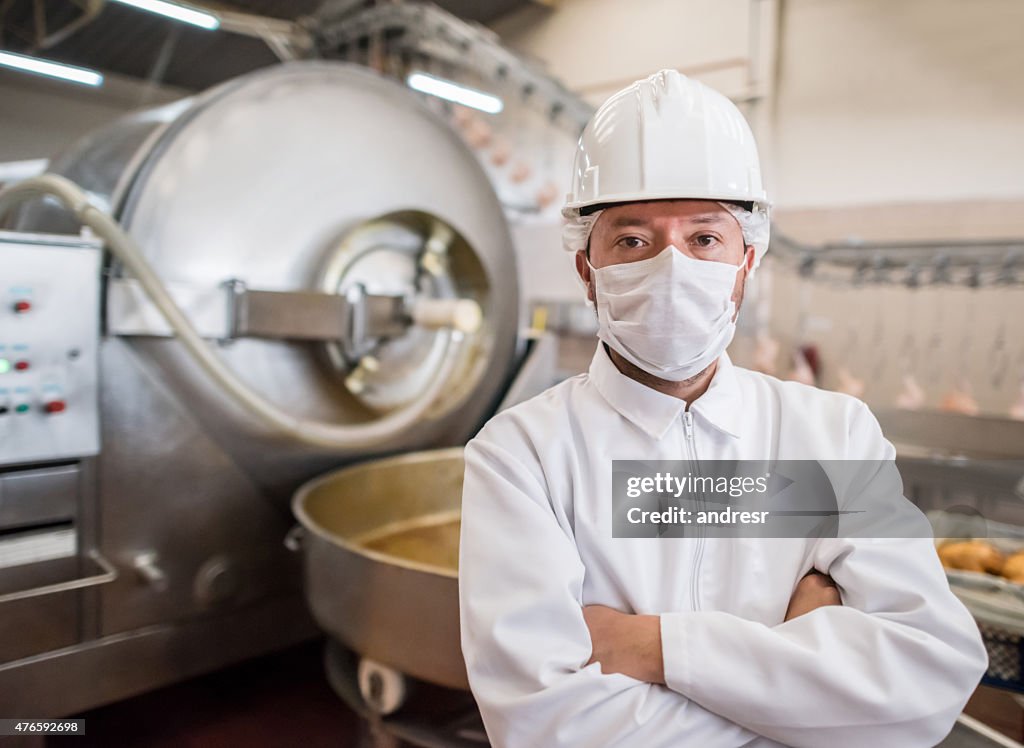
(670, 314)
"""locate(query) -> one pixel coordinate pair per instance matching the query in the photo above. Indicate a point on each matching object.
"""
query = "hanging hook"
(1000, 356)
(941, 271)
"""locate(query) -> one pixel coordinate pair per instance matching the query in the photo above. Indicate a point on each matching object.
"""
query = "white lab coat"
(892, 667)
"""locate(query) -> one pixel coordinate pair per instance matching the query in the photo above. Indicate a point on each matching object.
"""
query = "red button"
(55, 406)
(22, 306)
(21, 365)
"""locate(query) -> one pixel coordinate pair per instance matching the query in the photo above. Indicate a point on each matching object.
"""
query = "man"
(573, 637)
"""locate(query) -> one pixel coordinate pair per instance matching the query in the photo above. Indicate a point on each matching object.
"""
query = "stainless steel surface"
(49, 323)
(970, 465)
(31, 626)
(130, 312)
(49, 421)
(934, 433)
(380, 547)
(970, 733)
(147, 567)
(538, 372)
(35, 545)
(361, 319)
(110, 668)
(230, 310)
(104, 162)
(391, 255)
(287, 315)
(278, 179)
(332, 175)
(107, 573)
(37, 496)
(380, 561)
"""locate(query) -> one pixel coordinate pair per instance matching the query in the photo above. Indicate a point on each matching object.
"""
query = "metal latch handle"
(109, 575)
(463, 315)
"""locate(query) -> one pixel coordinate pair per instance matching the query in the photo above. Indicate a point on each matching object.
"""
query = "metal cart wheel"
(430, 716)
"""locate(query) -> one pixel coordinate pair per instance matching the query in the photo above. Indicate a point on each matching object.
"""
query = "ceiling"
(141, 45)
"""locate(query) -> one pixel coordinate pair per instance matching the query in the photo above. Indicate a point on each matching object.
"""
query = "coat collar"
(654, 412)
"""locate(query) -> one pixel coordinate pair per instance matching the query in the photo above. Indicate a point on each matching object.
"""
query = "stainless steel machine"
(318, 272)
(382, 576)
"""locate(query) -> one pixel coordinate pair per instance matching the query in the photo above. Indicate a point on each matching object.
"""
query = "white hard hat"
(667, 137)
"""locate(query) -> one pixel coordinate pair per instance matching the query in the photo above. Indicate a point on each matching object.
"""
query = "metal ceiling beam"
(432, 32)
(287, 39)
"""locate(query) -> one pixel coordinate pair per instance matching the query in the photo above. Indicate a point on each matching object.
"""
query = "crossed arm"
(631, 644)
(893, 665)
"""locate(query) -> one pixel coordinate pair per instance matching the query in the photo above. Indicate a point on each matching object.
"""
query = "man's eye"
(706, 240)
(631, 242)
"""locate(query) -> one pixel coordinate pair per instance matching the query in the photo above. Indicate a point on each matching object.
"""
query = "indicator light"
(21, 408)
(55, 406)
(5, 366)
(21, 365)
(21, 306)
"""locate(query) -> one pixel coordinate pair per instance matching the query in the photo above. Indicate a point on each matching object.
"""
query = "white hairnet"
(576, 231)
(756, 227)
(754, 224)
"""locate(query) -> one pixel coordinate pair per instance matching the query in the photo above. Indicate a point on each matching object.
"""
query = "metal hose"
(312, 432)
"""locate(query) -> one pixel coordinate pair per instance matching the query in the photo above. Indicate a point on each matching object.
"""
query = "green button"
(21, 408)
(5, 366)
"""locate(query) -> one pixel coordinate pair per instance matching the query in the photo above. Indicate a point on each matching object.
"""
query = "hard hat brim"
(571, 210)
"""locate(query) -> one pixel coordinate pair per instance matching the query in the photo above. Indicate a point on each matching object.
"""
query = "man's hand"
(812, 592)
(631, 644)
(626, 643)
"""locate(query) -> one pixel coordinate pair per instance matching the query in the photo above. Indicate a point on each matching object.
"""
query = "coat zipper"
(699, 551)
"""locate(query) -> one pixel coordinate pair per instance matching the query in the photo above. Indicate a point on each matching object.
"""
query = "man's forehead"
(643, 214)
(634, 220)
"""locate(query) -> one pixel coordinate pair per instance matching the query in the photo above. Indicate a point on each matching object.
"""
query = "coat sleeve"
(894, 665)
(525, 640)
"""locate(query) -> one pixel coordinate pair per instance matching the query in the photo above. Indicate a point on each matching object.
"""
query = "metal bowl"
(381, 560)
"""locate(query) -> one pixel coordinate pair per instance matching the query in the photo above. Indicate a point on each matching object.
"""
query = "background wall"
(899, 101)
(853, 101)
(599, 46)
(39, 117)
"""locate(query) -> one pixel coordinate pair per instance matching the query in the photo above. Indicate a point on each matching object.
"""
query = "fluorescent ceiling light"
(445, 89)
(15, 171)
(176, 11)
(53, 69)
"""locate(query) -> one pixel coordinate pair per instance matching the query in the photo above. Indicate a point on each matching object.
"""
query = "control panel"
(49, 344)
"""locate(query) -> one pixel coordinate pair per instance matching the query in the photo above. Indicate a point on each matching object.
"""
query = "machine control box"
(49, 344)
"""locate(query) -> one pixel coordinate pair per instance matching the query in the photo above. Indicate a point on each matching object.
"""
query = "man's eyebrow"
(708, 218)
(629, 221)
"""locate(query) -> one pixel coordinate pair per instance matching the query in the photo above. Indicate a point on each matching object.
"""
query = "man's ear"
(750, 258)
(583, 268)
